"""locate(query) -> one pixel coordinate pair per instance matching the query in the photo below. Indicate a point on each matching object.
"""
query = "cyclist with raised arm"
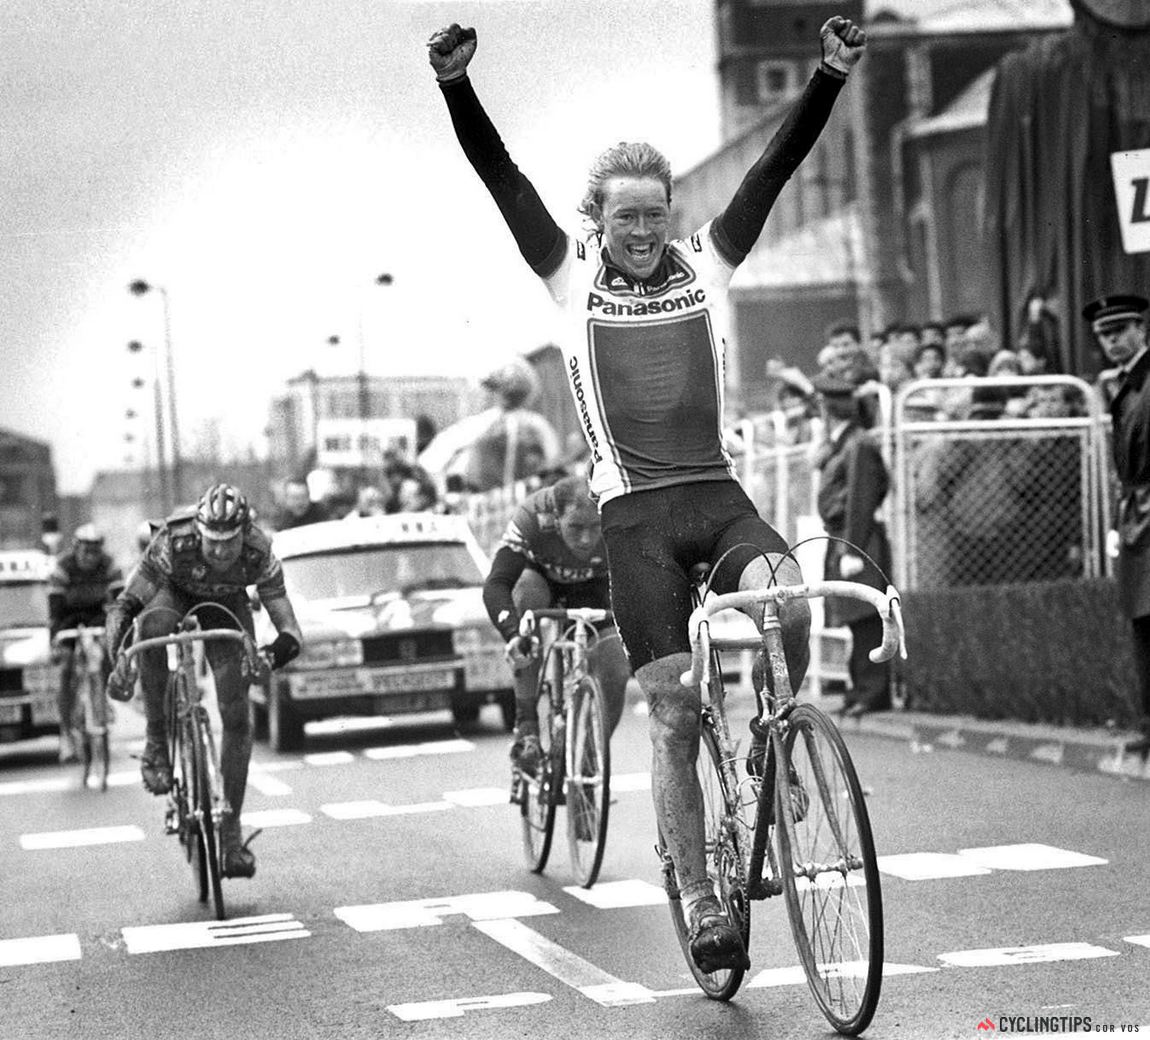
(552, 555)
(207, 554)
(645, 321)
(81, 587)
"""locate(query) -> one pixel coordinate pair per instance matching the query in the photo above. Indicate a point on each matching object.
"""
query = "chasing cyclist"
(645, 324)
(209, 554)
(552, 555)
(81, 587)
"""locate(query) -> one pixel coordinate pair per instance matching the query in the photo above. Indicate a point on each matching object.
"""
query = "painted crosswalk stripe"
(201, 934)
(569, 968)
(76, 839)
(426, 1010)
(275, 818)
(431, 747)
(427, 913)
(39, 949)
(1029, 857)
(614, 895)
(1043, 953)
(272, 786)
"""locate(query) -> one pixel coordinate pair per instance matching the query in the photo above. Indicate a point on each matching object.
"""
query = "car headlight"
(329, 653)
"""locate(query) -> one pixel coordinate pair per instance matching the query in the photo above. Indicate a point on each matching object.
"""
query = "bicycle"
(575, 769)
(196, 807)
(806, 796)
(91, 716)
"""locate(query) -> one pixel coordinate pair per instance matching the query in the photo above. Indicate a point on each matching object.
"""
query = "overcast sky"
(264, 161)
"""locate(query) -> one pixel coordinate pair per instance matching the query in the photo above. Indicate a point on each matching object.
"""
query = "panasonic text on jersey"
(584, 414)
(639, 308)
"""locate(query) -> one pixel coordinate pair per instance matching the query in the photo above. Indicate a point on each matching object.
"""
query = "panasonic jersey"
(644, 361)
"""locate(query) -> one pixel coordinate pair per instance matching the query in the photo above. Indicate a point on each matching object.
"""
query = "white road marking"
(923, 866)
(57, 783)
(795, 976)
(425, 913)
(630, 782)
(76, 839)
(329, 758)
(998, 746)
(275, 818)
(432, 747)
(281, 765)
(200, 934)
(1029, 857)
(1044, 953)
(1137, 940)
(569, 968)
(126, 778)
(429, 1009)
(265, 784)
(612, 895)
(478, 796)
(1048, 753)
(39, 949)
(362, 810)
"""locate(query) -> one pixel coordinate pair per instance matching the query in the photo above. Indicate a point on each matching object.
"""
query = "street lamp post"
(140, 287)
(135, 347)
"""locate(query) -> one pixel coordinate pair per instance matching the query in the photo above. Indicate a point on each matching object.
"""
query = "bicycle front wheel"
(589, 782)
(206, 847)
(541, 790)
(724, 866)
(830, 873)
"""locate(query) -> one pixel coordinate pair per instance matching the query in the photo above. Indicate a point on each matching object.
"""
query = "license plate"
(11, 713)
(358, 681)
(411, 682)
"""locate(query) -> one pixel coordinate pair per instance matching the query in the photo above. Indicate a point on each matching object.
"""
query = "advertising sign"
(1132, 190)
(355, 443)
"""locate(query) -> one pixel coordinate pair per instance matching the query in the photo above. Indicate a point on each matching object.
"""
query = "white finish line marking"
(431, 747)
(275, 818)
(265, 784)
(478, 796)
(923, 866)
(429, 1009)
(39, 949)
(370, 807)
(569, 968)
(76, 839)
(1042, 954)
(424, 913)
(613, 895)
(1029, 857)
(201, 934)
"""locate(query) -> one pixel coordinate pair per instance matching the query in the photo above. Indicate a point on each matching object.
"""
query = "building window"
(774, 80)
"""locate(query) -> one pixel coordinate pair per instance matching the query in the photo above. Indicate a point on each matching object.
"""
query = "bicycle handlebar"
(187, 638)
(590, 615)
(887, 604)
(95, 631)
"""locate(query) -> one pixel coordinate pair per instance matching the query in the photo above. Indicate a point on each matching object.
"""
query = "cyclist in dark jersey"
(552, 555)
(645, 324)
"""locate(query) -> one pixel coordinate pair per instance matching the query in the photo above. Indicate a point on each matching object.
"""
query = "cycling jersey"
(644, 358)
(77, 595)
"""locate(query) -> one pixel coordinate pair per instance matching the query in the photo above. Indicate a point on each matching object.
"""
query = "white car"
(27, 676)
(391, 609)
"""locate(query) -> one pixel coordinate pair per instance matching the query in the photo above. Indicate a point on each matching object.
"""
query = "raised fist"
(449, 51)
(843, 43)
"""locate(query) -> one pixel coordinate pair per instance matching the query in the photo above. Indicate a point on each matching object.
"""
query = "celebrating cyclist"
(552, 555)
(645, 324)
(206, 555)
(81, 587)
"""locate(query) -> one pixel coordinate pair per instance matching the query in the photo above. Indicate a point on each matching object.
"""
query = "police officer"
(81, 587)
(1119, 324)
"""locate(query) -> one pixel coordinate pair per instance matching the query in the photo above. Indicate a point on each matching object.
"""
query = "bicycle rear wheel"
(589, 785)
(724, 866)
(541, 790)
(830, 873)
(206, 846)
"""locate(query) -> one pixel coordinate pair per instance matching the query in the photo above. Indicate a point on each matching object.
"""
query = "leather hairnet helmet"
(222, 513)
(86, 534)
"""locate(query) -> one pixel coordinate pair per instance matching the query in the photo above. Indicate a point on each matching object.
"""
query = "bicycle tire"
(178, 759)
(540, 792)
(98, 735)
(724, 865)
(830, 871)
(589, 782)
(81, 719)
(204, 812)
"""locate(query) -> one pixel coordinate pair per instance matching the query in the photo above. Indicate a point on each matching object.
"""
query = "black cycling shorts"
(653, 540)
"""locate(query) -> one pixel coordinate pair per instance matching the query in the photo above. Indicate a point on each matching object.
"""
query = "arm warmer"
(497, 598)
(540, 240)
(737, 228)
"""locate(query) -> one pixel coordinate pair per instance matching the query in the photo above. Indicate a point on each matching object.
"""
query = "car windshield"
(23, 604)
(371, 570)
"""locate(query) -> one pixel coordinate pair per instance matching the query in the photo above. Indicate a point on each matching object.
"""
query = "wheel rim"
(833, 893)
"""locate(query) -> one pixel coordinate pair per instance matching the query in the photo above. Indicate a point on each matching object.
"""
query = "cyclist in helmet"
(80, 589)
(207, 554)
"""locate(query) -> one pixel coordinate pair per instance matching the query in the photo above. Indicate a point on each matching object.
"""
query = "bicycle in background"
(796, 825)
(90, 722)
(575, 769)
(196, 807)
